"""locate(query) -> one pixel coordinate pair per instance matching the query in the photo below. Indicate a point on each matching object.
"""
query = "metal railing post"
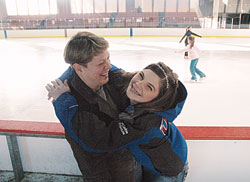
(15, 157)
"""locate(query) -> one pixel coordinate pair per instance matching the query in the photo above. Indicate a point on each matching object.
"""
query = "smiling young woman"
(144, 86)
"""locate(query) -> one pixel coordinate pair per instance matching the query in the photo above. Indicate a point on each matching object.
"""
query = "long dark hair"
(168, 88)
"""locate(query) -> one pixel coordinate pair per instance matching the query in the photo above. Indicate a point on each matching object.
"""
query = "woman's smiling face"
(144, 86)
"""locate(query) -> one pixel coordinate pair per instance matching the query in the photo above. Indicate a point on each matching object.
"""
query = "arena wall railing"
(13, 129)
(125, 32)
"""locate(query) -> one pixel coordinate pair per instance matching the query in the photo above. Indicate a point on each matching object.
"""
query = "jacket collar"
(83, 91)
(171, 114)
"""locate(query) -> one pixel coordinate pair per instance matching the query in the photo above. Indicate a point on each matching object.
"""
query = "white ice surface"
(27, 65)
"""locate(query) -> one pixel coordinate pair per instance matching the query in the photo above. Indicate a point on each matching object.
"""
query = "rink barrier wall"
(2, 34)
(125, 32)
(43, 129)
(12, 129)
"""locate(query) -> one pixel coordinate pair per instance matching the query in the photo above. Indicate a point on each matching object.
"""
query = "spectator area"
(102, 20)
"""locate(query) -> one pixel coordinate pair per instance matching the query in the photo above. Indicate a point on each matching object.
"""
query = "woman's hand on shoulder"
(56, 89)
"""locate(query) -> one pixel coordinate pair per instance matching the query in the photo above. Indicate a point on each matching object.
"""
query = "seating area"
(102, 20)
(183, 18)
(136, 20)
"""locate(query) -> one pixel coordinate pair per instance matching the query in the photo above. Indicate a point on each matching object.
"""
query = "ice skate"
(202, 78)
(193, 81)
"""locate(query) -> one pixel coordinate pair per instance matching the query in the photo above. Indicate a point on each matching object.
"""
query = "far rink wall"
(125, 32)
(209, 160)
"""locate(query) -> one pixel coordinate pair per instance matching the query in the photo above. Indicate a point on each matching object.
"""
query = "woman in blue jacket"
(154, 97)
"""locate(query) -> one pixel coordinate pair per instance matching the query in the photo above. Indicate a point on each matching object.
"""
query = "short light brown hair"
(83, 47)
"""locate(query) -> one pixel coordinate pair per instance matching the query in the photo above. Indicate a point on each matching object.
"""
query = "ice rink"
(27, 65)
